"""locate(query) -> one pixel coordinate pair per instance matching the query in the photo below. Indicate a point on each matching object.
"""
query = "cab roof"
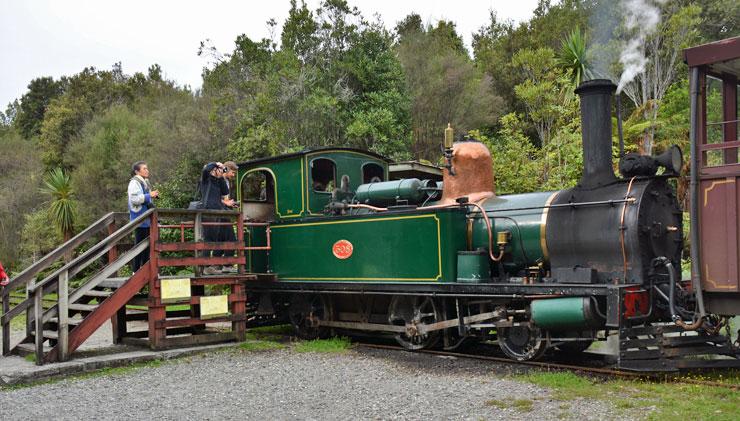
(306, 151)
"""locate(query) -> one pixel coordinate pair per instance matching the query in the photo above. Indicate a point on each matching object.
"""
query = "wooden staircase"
(55, 333)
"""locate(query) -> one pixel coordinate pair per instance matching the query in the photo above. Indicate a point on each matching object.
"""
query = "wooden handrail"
(172, 211)
(109, 240)
(58, 280)
(60, 251)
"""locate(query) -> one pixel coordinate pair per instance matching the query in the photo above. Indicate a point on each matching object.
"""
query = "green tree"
(38, 237)
(63, 120)
(495, 44)
(573, 57)
(33, 105)
(677, 30)
(62, 205)
(516, 164)
(18, 183)
(545, 90)
(444, 84)
(334, 81)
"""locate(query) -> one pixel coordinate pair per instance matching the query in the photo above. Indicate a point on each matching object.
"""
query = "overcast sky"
(55, 38)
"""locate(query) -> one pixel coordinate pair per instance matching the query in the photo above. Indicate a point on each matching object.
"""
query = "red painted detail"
(342, 249)
(636, 302)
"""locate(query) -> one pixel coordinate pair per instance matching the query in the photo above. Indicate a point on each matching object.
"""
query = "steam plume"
(641, 18)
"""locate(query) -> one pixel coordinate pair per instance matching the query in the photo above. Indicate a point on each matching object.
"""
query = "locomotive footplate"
(483, 290)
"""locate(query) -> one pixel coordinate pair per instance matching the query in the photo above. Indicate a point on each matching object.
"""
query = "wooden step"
(49, 334)
(28, 349)
(71, 322)
(96, 293)
(83, 307)
(112, 283)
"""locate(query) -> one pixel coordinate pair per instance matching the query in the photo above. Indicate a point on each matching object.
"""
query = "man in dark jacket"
(215, 193)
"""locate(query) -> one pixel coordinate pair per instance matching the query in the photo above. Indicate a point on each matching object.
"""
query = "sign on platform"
(175, 290)
(214, 306)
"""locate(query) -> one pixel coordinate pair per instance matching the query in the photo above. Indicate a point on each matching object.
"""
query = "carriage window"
(720, 125)
(323, 175)
(258, 186)
(372, 173)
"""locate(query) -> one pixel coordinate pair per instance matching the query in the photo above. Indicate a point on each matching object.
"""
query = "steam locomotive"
(346, 248)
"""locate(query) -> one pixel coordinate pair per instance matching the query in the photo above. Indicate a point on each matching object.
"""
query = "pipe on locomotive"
(677, 319)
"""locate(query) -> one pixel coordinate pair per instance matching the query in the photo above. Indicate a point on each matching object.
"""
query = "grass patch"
(523, 405)
(497, 403)
(273, 330)
(564, 385)
(666, 400)
(332, 345)
(30, 358)
(270, 333)
(18, 322)
(260, 346)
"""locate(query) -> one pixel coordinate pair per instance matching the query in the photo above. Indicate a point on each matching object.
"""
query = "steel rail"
(560, 366)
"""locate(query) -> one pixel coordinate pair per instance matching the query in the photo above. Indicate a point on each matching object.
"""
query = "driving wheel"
(413, 312)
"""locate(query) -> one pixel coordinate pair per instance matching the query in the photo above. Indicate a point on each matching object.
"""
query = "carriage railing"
(721, 148)
(183, 231)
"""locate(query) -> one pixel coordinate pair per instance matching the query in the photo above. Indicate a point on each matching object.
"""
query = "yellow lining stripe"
(714, 284)
(305, 182)
(275, 189)
(711, 187)
(439, 247)
(543, 227)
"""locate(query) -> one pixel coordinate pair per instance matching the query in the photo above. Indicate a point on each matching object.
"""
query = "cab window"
(372, 173)
(323, 175)
(258, 186)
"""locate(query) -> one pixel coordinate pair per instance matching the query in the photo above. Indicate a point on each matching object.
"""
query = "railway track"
(596, 371)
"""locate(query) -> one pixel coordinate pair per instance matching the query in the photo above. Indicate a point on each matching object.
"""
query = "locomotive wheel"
(521, 343)
(405, 310)
(305, 310)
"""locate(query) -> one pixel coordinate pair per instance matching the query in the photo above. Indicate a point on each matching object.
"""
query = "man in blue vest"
(140, 197)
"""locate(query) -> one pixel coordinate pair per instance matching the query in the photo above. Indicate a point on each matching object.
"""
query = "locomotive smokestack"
(596, 126)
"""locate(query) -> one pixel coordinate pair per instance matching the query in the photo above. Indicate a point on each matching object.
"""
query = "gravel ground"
(284, 384)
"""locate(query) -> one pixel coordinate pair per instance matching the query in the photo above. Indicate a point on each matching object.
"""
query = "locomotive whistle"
(449, 134)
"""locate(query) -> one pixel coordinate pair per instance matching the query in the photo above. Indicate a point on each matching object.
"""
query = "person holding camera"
(227, 232)
(215, 195)
(140, 196)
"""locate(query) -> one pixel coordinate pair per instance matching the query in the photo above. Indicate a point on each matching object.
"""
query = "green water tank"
(565, 313)
(388, 193)
(473, 266)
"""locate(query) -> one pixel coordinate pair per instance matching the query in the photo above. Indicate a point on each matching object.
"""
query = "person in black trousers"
(140, 196)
